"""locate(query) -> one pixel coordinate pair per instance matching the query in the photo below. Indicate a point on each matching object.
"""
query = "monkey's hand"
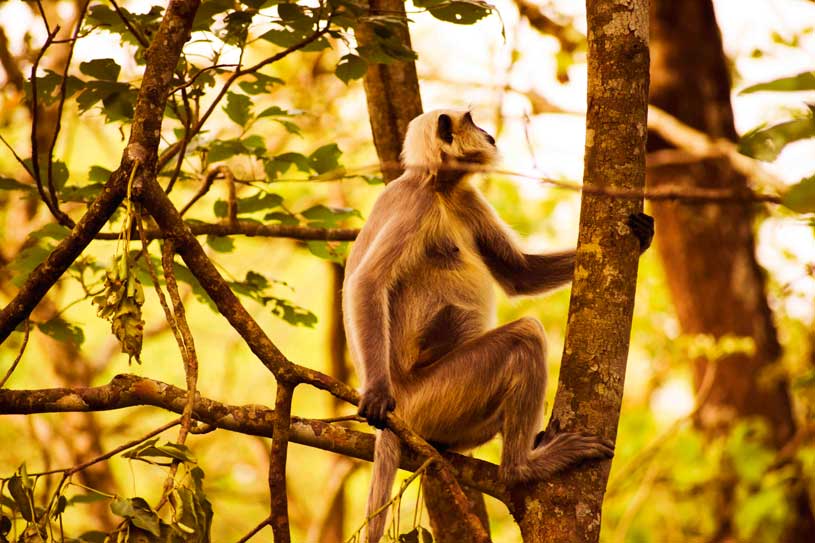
(642, 226)
(377, 400)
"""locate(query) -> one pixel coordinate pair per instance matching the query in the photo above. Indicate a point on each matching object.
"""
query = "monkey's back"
(442, 294)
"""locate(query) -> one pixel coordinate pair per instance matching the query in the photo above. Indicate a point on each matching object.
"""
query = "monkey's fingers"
(375, 405)
(642, 226)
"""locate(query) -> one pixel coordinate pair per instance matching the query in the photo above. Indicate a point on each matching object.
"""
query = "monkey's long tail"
(386, 462)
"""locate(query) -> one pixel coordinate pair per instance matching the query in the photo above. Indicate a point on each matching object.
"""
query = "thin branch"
(278, 501)
(254, 531)
(19, 356)
(66, 220)
(209, 179)
(117, 450)
(52, 205)
(700, 144)
(187, 344)
(144, 42)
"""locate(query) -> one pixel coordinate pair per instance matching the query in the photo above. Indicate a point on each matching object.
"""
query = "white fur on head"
(424, 149)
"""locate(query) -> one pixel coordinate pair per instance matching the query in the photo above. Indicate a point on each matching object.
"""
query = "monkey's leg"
(494, 383)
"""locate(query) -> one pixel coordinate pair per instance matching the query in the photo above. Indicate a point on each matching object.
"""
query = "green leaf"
(463, 12)
(236, 27)
(351, 67)
(321, 216)
(274, 111)
(26, 260)
(223, 149)
(22, 491)
(290, 38)
(53, 231)
(802, 82)
(98, 174)
(149, 449)
(257, 287)
(118, 99)
(221, 244)
(281, 217)
(333, 251)
(205, 15)
(801, 196)
(261, 85)
(7, 183)
(61, 330)
(105, 69)
(238, 108)
(325, 159)
(138, 512)
(280, 164)
(259, 201)
(84, 194)
(48, 84)
(767, 143)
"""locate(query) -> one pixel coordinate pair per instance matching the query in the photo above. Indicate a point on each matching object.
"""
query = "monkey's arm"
(519, 273)
(368, 289)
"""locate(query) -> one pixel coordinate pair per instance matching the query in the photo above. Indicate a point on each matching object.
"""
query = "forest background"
(716, 440)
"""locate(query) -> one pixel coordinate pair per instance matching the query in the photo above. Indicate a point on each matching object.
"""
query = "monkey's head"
(446, 136)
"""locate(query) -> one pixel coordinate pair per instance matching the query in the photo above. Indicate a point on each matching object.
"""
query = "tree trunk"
(708, 248)
(392, 91)
(567, 508)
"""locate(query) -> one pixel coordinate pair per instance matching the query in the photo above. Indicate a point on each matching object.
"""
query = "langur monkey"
(418, 304)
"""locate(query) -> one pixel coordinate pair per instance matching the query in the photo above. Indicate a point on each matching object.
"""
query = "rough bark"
(568, 507)
(392, 91)
(709, 248)
(130, 390)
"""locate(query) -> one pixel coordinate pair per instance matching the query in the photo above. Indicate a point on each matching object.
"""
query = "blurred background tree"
(288, 146)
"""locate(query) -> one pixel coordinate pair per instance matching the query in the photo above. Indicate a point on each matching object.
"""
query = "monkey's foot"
(558, 452)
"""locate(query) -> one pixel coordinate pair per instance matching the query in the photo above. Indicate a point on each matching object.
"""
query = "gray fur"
(418, 302)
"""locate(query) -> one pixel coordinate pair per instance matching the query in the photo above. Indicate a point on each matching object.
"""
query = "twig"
(133, 30)
(278, 502)
(60, 106)
(19, 356)
(254, 531)
(50, 203)
(209, 179)
(184, 337)
(185, 141)
(113, 452)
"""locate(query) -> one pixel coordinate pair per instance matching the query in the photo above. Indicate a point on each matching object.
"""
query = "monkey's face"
(447, 136)
(463, 141)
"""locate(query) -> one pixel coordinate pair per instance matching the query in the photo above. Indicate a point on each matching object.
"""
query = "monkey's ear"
(445, 128)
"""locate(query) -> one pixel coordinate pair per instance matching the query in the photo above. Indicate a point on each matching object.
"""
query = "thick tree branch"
(142, 146)
(130, 390)
(251, 229)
